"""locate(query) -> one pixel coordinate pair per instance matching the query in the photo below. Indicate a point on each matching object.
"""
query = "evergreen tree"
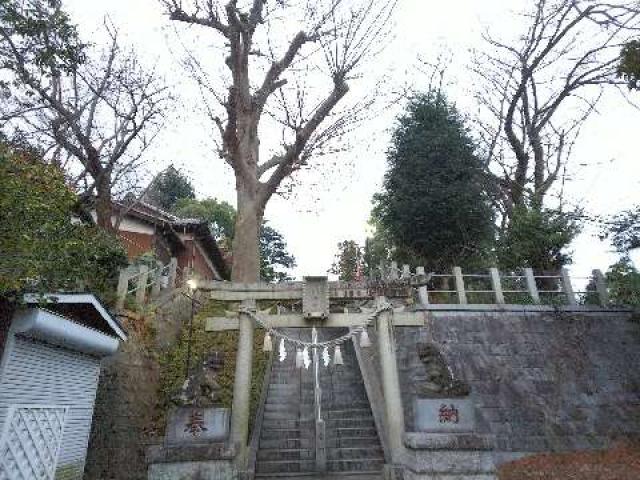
(629, 67)
(220, 215)
(537, 239)
(434, 209)
(169, 187)
(348, 262)
(623, 280)
(43, 249)
(623, 229)
(275, 260)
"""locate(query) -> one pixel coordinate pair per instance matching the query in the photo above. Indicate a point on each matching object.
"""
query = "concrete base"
(441, 456)
(451, 462)
(212, 470)
(213, 461)
(422, 476)
(393, 472)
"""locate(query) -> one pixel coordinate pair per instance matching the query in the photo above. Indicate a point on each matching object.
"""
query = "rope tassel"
(299, 358)
(337, 356)
(325, 356)
(267, 346)
(365, 341)
(306, 360)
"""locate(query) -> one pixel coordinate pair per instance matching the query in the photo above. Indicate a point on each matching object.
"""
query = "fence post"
(123, 286)
(393, 271)
(157, 279)
(496, 285)
(423, 294)
(462, 294)
(531, 285)
(601, 286)
(141, 287)
(566, 286)
(173, 272)
(406, 271)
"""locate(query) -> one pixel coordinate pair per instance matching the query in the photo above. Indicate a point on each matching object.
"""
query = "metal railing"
(520, 287)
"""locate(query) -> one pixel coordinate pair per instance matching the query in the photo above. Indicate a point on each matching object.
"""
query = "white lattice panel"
(31, 441)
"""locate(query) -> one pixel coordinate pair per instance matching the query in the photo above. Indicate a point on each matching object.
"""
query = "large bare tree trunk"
(104, 207)
(246, 247)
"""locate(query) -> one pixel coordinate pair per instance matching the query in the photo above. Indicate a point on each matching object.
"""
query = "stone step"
(343, 387)
(325, 476)
(345, 398)
(287, 433)
(284, 466)
(268, 424)
(287, 443)
(288, 415)
(287, 407)
(341, 378)
(308, 423)
(286, 454)
(345, 442)
(283, 387)
(348, 413)
(290, 401)
(288, 396)
(361, 464)
(363, 422)
(350, 432)
(357, 404)
(355, 453)
(328, 397)
(293, 373)
(358, 391)
(291, 379)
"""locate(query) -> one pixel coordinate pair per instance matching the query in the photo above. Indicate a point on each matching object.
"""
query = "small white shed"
(49, 374)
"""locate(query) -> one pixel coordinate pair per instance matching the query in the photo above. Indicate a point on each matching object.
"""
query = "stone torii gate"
(315, 293)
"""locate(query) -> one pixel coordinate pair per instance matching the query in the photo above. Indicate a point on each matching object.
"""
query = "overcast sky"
(333, 204)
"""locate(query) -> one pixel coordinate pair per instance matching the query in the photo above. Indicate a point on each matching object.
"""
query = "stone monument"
(442, 403)
(197, 437)
(445, 441)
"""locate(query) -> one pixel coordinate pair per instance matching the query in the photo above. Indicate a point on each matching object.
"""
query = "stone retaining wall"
(540, 381)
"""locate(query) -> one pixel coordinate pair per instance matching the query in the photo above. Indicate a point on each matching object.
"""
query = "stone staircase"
(353, 445)
(287, 438)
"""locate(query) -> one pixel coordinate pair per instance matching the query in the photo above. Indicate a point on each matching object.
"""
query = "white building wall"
(129, 224)
(35, 373)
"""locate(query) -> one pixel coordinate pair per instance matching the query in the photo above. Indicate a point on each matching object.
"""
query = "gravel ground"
(619, 463)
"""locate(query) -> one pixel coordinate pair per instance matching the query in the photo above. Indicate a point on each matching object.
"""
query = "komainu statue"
(201, 389)
(440, 382)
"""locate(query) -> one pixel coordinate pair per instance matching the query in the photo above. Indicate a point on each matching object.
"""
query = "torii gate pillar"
(390, 382)
(242, 386)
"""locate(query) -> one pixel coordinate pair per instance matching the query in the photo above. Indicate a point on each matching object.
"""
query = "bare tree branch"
(289, 64)
(104, 114)
(536, 92)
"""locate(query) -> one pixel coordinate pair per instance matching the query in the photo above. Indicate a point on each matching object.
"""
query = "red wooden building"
(144, 228)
